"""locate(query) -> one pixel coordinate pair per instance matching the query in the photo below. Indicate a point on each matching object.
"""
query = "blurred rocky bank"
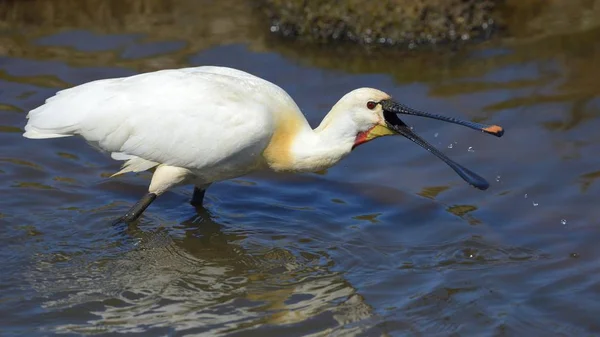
(412, 23)
(404, 23)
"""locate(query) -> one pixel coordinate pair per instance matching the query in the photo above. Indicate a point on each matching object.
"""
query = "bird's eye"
(371, 105)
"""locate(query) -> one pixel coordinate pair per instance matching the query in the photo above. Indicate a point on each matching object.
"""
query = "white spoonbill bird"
(205, 124)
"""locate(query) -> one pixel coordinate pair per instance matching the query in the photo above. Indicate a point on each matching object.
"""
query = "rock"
(388, 22)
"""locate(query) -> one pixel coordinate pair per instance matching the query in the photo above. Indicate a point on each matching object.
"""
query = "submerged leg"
(164, 178)
(137, 209)
(198, 196)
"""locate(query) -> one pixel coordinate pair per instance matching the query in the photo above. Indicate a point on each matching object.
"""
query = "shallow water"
(389, 242)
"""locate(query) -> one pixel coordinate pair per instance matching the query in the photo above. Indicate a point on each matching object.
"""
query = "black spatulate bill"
(397, 108)
(467, 175)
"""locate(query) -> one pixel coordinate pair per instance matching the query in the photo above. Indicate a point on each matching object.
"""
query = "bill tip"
(494, 130)
(482, 187)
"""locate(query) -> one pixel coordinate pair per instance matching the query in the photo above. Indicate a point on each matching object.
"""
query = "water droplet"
(525, 195)
(498, 178)
(450, 146)
(436, 134)
(563, 222)
(535, 204)
(471, 149)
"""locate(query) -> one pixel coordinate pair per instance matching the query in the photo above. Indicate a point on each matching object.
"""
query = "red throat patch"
(362, 137)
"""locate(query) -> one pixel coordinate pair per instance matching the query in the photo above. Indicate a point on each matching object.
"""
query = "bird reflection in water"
(199, 276)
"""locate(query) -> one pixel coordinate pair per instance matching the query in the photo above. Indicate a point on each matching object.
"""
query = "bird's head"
(375, 114)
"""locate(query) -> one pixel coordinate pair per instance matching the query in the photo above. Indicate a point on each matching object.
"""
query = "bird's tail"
(32, 133)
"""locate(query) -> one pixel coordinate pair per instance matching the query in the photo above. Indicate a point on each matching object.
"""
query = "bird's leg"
(164, 178)
(198, 196)
(137, 209)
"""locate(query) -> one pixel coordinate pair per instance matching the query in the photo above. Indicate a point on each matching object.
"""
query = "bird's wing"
(191, 117)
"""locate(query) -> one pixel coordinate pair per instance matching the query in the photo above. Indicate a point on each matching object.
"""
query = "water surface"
(389, 242)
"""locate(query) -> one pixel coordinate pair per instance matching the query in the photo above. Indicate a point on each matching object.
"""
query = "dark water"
(389, 242)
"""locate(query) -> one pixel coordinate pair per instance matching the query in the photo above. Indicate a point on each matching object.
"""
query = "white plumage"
(192, 118)
(205, 124)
